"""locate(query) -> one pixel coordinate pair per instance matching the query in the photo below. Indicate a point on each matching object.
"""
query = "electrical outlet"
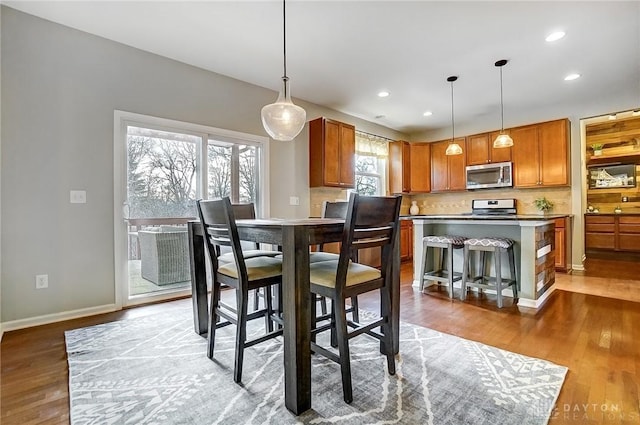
(294, 200)
(78, 197)
(42, 281)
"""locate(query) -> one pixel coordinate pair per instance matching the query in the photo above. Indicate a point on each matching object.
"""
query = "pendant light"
(283, 120)
(453, 148)
(503, 140)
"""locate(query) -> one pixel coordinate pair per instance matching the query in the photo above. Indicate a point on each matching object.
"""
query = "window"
(233, 170)
(370, 164)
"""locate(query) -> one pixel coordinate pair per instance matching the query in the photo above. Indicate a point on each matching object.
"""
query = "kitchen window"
(371, 164)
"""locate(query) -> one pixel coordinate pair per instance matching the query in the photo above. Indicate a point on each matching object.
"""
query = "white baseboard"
(578, 267)
(526, 302)
(55, 317)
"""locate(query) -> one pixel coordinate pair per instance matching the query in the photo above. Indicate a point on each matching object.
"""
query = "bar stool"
(444, 273)
(497, 246)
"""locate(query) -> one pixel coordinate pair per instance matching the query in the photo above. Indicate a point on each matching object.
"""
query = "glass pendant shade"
(453, 149)
(283, 120)
(503, 141)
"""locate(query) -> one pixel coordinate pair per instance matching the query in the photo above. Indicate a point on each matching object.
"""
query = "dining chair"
(371, 222)
(249, 249)
(243, 274)
(332, 209)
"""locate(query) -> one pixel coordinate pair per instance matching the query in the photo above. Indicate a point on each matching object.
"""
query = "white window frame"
(122, 119)
(382, 175)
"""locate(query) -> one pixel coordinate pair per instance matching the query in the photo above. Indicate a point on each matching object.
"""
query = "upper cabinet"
(409, 167)
(399, 167)
(332, 147)
(420, 167)
(540, 154)
(480, 150)
(447, 171)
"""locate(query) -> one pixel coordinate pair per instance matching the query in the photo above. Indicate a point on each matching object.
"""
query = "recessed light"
(572, 77)
(428, 114)
(613, 116)
(555, 36)
(383, 94)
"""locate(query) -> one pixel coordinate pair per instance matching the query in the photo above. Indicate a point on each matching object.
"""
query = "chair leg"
(512, 266)
(423, 267)
(387, 329)
(334, 338)
(465, 273)
(256, 299)
(268, 300)
(450, 269)
(314, 318)
(343, 348)
(323, 304)
(497, 255)
(213, 319)
(241, 334)
(355, 315)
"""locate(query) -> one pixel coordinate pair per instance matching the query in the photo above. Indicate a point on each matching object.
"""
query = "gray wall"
(60, 88)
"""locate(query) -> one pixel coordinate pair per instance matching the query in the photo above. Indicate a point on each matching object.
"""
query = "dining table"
(294, 236)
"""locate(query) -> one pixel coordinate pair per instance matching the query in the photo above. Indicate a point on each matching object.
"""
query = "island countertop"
(512, 217)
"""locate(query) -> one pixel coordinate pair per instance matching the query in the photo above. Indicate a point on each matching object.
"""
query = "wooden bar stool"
(444, 272)
(497, 246)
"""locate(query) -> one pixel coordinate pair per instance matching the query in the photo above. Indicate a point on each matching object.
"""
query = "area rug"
(154, 370)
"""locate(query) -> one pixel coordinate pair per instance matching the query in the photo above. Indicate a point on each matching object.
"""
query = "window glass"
(161, 172)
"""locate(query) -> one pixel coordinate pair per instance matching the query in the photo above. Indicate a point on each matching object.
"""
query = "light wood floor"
(596, 337)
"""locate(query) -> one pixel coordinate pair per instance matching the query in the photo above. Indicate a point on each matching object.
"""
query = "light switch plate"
(78, 196)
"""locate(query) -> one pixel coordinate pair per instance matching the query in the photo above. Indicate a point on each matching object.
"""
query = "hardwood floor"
(596, 337)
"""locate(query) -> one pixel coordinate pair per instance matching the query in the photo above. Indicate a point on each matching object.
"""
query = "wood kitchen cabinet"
(447, 172)
(563, 244)
(612, 232)
(540, 154)
(399, 167)
(409, 167)
(406, 240)
(420, 167)
(480, 150)
(332, 147)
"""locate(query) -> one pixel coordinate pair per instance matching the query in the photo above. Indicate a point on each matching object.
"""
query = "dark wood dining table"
(294, 236)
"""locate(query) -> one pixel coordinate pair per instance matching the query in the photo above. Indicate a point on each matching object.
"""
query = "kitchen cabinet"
(480, 150)
(420, 167)
(409, 167)
(447, 171)
(540, 154)
(399, 167)
(612, 232)
(406, 240)
(332, 147)
(563, 244)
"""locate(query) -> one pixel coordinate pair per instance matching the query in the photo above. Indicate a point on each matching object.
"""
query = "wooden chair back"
(219, 227)
(371, 222)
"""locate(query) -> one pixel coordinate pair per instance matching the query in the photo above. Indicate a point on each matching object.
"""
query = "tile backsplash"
(457, 202)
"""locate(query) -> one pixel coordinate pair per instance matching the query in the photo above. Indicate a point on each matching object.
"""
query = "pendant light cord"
(284, 38)
(284, 45)
(501, 105)
(453, 131)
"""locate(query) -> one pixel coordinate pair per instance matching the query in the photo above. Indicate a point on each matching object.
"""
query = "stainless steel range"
(493, 207)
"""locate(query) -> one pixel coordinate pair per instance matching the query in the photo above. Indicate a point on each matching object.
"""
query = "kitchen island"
(534, 237)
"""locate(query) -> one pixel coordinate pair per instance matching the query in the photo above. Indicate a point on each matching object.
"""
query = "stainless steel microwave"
(499, 174)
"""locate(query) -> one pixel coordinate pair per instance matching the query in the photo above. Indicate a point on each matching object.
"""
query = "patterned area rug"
(154, 370)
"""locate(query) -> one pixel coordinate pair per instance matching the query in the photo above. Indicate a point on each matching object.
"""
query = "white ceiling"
(340, 54)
